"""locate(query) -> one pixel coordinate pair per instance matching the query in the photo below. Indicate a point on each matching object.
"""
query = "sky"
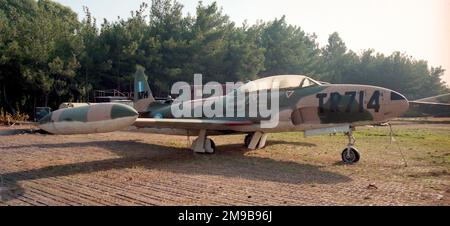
(419, 28)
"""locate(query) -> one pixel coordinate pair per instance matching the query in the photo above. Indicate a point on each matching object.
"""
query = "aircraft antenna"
(392, 139)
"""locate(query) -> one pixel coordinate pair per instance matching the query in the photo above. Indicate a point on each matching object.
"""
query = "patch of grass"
(421, 145)
(9, 119)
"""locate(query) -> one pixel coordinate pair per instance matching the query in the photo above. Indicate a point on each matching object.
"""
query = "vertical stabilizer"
(142, 94)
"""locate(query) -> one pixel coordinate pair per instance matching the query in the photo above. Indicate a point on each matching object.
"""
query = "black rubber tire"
(247, 140)
(350, 158)
(213, 147)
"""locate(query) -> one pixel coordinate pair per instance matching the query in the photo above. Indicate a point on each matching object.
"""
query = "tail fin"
(142, 94)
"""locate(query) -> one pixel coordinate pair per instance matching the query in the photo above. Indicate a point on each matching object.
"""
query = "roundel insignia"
(289, 93)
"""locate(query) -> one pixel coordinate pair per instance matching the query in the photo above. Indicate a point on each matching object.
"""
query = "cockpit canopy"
(284, 82)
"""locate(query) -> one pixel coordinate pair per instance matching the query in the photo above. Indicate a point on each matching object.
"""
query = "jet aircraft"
(304, 105)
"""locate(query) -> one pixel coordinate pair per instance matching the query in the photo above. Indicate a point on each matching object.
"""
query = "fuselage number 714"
(335, 99)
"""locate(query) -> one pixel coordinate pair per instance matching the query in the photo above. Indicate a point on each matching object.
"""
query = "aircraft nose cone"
(122, 111)
(399, 103)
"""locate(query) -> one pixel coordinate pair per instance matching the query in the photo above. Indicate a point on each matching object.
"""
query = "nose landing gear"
(350, 154)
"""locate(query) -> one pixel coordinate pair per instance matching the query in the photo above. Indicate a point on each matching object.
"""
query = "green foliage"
(47, 56)
(288, 49)
(38, 51)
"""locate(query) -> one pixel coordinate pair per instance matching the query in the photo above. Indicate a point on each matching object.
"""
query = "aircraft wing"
(208, 124)
(430, 103)
(419, 108)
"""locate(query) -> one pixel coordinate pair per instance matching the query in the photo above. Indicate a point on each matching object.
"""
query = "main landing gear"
(350, 154)
(256, 140)
(202, 144)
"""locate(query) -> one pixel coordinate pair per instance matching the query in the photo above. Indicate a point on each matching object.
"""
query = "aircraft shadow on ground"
(229, 161)
(13, 132)
(296, 143)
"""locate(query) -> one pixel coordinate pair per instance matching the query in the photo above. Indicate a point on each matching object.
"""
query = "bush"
(8, 119)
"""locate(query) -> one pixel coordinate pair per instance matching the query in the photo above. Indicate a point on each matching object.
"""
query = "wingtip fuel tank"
(96, 118)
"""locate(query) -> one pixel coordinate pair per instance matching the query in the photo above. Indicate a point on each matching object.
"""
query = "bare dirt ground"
(131, 168)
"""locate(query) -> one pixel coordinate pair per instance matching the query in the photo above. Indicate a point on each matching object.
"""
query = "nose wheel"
(350, 154)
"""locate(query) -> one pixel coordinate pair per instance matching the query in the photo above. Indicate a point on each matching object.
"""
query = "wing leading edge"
(208, 124)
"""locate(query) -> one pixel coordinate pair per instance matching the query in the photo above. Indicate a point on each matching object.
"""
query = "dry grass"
(129, 168)
(9, 119)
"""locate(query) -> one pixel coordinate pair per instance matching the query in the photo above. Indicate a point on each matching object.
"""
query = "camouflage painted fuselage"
(301, 107)
(312, 107)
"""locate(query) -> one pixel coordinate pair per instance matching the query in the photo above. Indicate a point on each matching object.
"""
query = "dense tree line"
(48, 56)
